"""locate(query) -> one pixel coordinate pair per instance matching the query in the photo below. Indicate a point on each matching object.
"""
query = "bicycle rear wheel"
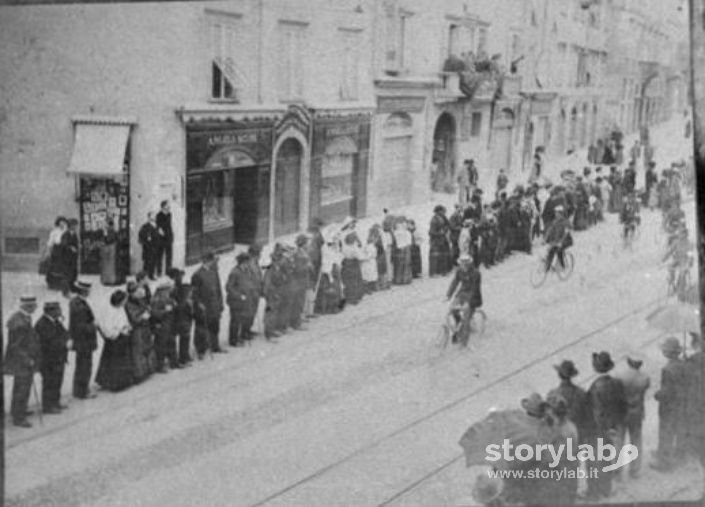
(539, 274)
(567, 270)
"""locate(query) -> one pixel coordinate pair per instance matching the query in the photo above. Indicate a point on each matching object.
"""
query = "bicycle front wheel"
(567, 270)
(539, 274)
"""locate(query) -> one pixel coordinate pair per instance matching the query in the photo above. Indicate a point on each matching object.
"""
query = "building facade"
(253, 117)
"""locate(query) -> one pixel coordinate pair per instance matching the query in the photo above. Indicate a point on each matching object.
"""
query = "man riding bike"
(558, 238)
(678, 251)
(630, 215)
(468, 282)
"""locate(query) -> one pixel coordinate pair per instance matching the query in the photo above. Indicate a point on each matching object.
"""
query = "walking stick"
(39, 403)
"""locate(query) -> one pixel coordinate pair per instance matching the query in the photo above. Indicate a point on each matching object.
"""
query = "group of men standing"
(157, 239)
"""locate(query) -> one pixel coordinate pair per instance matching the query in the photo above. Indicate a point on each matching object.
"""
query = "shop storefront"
(100, 163)
(339, 167)
(227, 185)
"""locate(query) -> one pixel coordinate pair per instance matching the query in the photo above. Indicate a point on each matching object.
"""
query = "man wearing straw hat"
(22, 358)
(53, 340)
(82, 328)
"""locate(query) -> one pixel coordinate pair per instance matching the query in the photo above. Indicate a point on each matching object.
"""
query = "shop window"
(337, 171)
(292, 39)
(476, 124)
(217, 200)
(226, 80)
(350, 63)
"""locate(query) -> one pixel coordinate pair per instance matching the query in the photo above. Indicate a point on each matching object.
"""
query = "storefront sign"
(400, 104)
(202, 143)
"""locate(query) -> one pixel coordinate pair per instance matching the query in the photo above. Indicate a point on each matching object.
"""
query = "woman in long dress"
(115, 370)
(141, 336)
(350, 271)
(369, 262)
(416, 267)
(439, 249)
(402, 265)
(329, 295)
(55, 277)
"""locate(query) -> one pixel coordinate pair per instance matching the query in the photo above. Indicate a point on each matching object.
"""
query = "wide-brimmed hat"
(534, 405)
(28, 300)
(602, 362)
(486, 488)
(566, 369)
(635, 362)
(465, 258)
(671, 347)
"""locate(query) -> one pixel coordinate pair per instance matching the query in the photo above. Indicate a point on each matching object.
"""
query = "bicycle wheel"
(443, 337)
(477, 323)
(539, 274)
(565, 272)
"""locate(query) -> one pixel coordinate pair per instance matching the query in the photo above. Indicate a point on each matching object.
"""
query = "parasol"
(676, 317)
(513, 425)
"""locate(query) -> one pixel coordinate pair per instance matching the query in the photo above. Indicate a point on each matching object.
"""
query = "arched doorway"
(287, 187)
(444, 153)
(502, 141)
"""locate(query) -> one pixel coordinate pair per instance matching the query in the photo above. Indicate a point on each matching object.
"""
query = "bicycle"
(631, 233)
(450, 328)
(539, 274)
(679, 279)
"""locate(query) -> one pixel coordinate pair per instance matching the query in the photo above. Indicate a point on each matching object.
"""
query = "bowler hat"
(301, 240)
(634, 362)
(566, 369)
(27, 300)
(602, 362)
(209, 256)
(82, 285)
(242, 257)
(174, 273)
(534, 405)
(438, 209)
(51, 305)
(132, 286)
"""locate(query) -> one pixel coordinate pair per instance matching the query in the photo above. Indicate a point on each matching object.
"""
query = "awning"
(99, 149)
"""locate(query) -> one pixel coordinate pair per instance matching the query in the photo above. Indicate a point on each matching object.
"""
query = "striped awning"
(99, 149)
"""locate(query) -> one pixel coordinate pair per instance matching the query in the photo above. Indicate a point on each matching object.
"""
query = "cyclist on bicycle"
(678, 251)
(558, 238)
(468, 282)
(630, 215)
(673, 218)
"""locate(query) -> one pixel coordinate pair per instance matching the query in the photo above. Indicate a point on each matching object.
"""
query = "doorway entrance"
(287, 187)
(444, 153)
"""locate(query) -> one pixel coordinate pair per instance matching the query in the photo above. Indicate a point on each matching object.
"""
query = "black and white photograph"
(322, 253)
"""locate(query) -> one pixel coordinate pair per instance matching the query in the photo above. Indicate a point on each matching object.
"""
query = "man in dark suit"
(257, 279)
(22, 358)
(149, 239)
(576, 400)
(53, 339)
(208, 297)
(609, 406)
(166, 237)
(82, 328)
(239, 290)
(695, 398)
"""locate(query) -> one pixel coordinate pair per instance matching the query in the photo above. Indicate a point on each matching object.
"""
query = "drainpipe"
(260, 52)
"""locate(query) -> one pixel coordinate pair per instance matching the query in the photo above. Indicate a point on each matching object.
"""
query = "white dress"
(369, 263)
